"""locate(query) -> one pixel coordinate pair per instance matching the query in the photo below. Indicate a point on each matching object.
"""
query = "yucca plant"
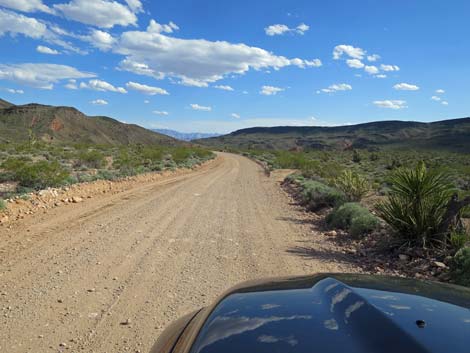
(354, 185)
(417, 205)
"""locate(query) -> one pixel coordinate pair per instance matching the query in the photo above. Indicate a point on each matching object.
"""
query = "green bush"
(416, 204)
(353, 185)
(458, 240)
(36, 175)
(354, 218)
(91, 159)
(460, 267)
(3, 205)
(316, 195)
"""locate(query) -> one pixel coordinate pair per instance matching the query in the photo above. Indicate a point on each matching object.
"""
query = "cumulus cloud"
(102, 86)
(99, 39)
(155, 27)
(46, 50)
(160, 112)
(235, 115)
(355, 63)
(99, 102)
(72, 84)
(99, 13)
(26, 5)
(40, 75)
(436, 98)
(144, 89)
(444, 103)
(270, 90)
(391, 104)
(135, 5)
(200, 107)
(13, 23)
(373, 57)
(224, 87)
(14, 91)
(279, 29)
(336, 87)
(371, 69)
(440, 91)
(381, 76)
(194, 62)
(349, 50)
(405, 87)
(389, 67)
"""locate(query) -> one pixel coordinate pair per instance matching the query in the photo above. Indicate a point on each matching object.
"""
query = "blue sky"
(217, 66)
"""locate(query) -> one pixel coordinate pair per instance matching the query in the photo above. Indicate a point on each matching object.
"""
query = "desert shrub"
(353, 185)
(316, 195)
(3, 205)
(416, 204)
(353, 217)
(91, 159)
(356, 158)
(36, 175)
(460, 267)
(180, 154)
(294, 178)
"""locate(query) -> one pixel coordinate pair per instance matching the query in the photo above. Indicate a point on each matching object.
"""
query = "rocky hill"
(448, 135)
(68, 125)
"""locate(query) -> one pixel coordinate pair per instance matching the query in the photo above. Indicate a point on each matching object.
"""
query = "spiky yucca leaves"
(354, 185)
(416, 205)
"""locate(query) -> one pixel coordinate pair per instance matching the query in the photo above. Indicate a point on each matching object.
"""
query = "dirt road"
(108, 274)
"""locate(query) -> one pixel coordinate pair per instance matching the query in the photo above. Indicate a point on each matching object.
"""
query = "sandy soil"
(107, 274)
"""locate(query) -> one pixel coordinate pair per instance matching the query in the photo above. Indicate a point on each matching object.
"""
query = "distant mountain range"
(68, 125)
(185, 136)
(451, 135)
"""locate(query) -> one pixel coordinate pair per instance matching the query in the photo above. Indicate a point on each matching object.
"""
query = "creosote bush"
(353, 217)
(416, 205)
(316, 195)
(3, 205)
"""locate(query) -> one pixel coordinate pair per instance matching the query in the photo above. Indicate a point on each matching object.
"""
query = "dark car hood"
(339, 313)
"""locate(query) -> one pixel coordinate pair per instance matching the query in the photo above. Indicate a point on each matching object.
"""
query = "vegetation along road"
(108, 274)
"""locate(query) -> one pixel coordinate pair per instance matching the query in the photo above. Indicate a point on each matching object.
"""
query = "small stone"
(403, 257)
(91, 290)
(331, 233)
(440, 264)
(62, 344)
(41, 336)
(126, 322)
(77, 199)
(60, 301)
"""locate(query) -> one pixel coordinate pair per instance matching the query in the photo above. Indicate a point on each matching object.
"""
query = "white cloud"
(372, 70)
(72, 84)
(373, 57)
(102, 86)
(270, 90)
(195, 62)
(135, 5)
(40, 75)
(15, 91)
(99, 39)
(14, 23)
(46, 50)
(381, 76)
(349, 50)
(155, 27)
(440, 91)
(235, 115)
(389, 67)
(146, 101)
(355, 63)
(160, 112)
(99, 102)
(391, 104)
(25, 5)
(444, 103)
(436, 98)
(144, 89)
(279, 29)
(405, 87)
(224, 87)
(337, 87)
(99, 13)
(200, 107)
